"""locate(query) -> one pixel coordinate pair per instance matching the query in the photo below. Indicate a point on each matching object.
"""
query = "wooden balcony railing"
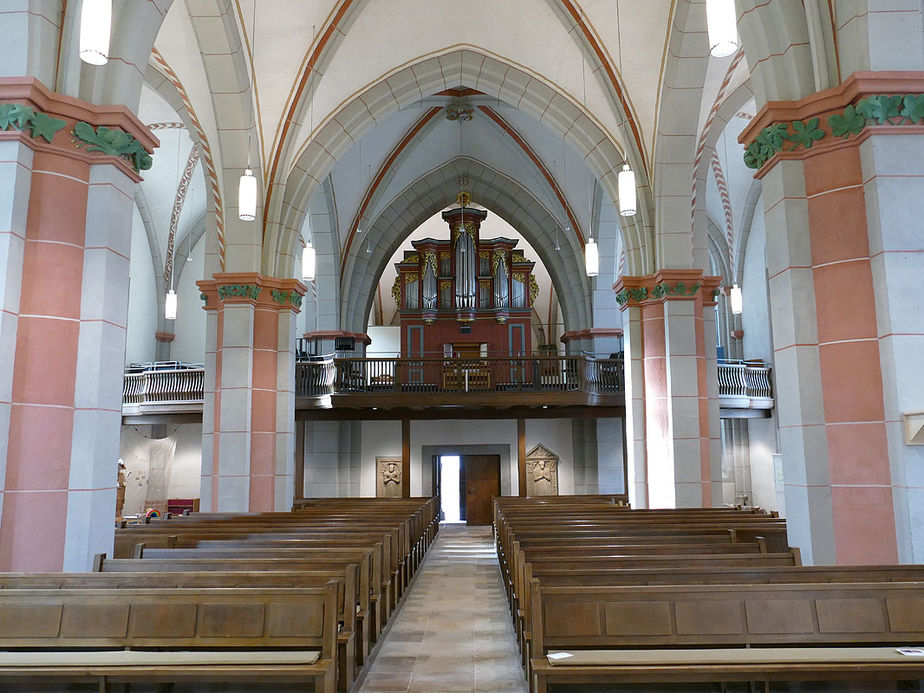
(460, 375)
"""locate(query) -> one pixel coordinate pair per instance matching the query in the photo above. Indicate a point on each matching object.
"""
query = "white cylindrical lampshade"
(591, 258)
(722, 25)
(309, 263)
(95, 27)
(170, 306)
(626, 185)
(247, 197)
(734, 297)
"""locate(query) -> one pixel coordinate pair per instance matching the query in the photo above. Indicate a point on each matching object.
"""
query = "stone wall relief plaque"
(541, 472)
(388, 481)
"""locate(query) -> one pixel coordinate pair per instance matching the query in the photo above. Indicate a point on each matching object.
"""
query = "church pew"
(245, 636)
(348, 644)
(169, 535)
(725, 633)
(379, 586)
(273, 567)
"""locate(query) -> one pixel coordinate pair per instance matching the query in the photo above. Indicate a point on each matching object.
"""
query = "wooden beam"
(405, 458)
(521, 457)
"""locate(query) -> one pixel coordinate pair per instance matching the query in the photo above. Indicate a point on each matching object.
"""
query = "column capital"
(667, 285)
(865, 103)
(47, 121)
(252, 288)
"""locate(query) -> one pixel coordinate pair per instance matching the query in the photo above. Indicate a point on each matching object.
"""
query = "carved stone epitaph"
(388, 481)
(541, 472)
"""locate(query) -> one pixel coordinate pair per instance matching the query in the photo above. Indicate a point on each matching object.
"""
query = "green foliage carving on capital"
(639, 294)
(251, 291)
(204, 298)
(805, 133)
(112, 143)
(19, 117)
(877, 109)
(848, 123)
(622, 298)
(658, 291)
(880, 108)
(283, 297)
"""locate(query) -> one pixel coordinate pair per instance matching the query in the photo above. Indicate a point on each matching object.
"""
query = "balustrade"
(744, 385)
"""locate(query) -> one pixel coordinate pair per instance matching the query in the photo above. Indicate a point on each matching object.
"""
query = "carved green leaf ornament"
(113, 143)
(283, 297)
(847, 124)
(251, 291)
(20, 117)
(879, 109)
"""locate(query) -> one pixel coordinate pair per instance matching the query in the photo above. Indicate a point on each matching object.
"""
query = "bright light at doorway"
(449, 488)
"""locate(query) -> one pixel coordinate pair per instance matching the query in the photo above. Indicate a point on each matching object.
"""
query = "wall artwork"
(388, 481)
(541, 472)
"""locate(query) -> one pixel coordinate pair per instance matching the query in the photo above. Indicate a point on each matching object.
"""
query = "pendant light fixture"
(722, 25)
(95, 28)
(170, 305)
(625, 180)
(736, 300)
(591, 258)
(309, 262)
(626, 184)
(247, 188)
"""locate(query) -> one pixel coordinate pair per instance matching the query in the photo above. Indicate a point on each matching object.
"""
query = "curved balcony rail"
(315, 376)
(163, 386)
(460, 375)
(744, 385)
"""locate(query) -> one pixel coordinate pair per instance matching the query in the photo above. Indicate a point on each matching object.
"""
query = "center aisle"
(453, 632)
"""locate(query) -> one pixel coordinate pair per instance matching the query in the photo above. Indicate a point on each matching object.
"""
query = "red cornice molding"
(41, 98)
(263, 299)
(667, 285)
(835, 99)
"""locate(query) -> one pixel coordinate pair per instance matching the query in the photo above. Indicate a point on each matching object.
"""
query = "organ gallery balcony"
(452, 382)
(158, 392)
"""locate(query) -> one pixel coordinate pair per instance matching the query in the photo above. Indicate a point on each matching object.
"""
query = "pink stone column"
(64, 338)
(673, 413)
(249, 414)
(835, 304)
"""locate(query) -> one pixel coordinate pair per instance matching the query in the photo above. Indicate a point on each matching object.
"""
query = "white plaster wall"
(555, 435)
(142, 299)
(189, 326)
(379, 439)
(186, 469)
(610, 463)
(762, 438)
(386, 341)
(445, 433)
(755, 314)
(757, 343)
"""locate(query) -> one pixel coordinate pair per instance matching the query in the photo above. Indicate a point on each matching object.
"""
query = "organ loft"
(465, 295)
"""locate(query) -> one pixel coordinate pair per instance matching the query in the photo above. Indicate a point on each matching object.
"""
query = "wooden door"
(480, 477)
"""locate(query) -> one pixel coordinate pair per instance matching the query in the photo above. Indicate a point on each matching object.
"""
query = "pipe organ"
(465, 290)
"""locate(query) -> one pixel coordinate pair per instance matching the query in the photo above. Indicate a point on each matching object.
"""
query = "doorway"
(467, 487)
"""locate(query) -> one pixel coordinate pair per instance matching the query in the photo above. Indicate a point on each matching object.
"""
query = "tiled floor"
(453, 631)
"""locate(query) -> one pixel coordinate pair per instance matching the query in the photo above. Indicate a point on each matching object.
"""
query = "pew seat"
(761, 664)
